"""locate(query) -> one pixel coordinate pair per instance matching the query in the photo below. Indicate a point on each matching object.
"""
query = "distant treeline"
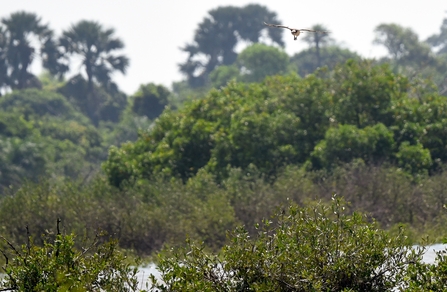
(358, 112)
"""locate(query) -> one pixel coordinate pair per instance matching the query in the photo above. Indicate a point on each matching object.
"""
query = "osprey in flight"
(296, 32)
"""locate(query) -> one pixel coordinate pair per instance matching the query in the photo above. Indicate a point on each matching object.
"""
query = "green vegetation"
(252, 65)
(314, 248)
(307, 62)
(217, 42)
(52, 127)
(318, 248)
(95, 46)
(147, 216)
(150, 100)
(59, 266)
(43, 135)
(257, 142)
(358, 111)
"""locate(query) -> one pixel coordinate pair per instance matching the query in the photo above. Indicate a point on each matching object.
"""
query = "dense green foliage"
(259, 61)
(149, 216)
(42, 134)
(358, 111)
(347, 143)
(150, 100)
(318, 248)
(253, 64)
(59, 266)
(52, 127)
(95, 102)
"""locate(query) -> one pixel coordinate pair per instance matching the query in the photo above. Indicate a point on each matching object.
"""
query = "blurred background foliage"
(249, 129)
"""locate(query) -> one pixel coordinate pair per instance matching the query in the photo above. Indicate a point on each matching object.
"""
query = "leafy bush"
(347, 142)
(21, 159)
(317, 248)
(428, 277)
(59, 266)
(259, 61)
(144, 218)
(14, 125)
(414, 158)
(34, 103)
(237, 126)
(223, 74)
(150, 100)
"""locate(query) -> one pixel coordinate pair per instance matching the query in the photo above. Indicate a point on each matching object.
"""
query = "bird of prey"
(295, 32)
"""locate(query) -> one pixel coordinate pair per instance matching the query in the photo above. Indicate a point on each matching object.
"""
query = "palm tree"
(95, 45)
(53, 58)
(318, 40)
(17, 52)
(219, 33)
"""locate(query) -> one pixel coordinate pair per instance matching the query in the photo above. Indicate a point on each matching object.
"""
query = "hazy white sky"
(154, 30)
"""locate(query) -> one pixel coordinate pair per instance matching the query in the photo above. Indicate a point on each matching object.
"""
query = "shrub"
(347, 142)
(318, 248)
(59, 266)
(414, 158)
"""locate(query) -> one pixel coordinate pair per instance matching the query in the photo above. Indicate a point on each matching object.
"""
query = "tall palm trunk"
(317, 48)
(92, 100)
(318, 52)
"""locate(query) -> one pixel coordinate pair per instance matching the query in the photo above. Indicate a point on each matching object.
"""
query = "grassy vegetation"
(147, 216)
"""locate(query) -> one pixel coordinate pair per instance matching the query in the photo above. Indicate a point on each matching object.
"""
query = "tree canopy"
(306, 61)
(217, 36)
(358, 110)
(318, 40)
(41, 134)
(438, 42)
(96, 46)
(402, 44)
(150, 100)
(18, 34)
(259, 61)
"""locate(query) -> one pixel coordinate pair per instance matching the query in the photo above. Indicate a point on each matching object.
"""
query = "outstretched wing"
(304, 29)
(277, 25)
(311, 30)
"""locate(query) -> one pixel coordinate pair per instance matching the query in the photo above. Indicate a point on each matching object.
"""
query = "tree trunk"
(317, 47)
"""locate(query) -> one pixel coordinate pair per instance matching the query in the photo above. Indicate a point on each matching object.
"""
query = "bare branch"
(57, 226)
(11, 246)
(95, 241)
(28, 247)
